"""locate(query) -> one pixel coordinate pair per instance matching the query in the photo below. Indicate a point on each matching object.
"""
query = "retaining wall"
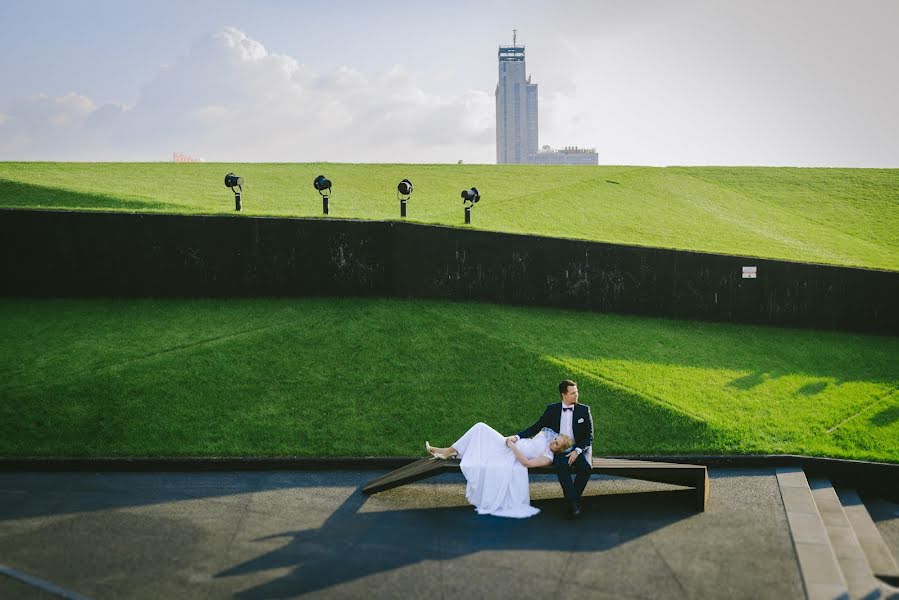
(92, 254)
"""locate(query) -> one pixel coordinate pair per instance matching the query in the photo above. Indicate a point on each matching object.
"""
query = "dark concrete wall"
(515, 269)
(49, 253)
(72, 254)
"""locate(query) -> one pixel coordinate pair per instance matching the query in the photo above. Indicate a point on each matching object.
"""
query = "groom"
(575, 420)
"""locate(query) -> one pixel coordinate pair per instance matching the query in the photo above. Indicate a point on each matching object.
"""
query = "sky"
(807, 83)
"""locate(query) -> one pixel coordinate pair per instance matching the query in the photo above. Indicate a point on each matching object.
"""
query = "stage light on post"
(323, 185)
(469, 199)
(233, 181)
(404, 192)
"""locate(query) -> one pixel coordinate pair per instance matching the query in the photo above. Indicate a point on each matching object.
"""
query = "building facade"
(516, 109)
(516, 118)
(571, 155)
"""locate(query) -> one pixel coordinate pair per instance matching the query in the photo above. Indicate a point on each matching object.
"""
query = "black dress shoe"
(575, 509)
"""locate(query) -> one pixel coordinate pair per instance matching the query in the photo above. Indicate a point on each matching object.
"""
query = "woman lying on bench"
(496, 470)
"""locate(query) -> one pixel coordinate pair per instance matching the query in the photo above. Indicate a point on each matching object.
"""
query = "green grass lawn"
(352, 377)
(832, 216)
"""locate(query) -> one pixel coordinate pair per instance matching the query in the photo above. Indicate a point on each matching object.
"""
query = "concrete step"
(818, 564)
(875, 549)
(852, 560)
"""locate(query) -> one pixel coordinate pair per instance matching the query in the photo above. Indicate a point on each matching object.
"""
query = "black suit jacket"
(581, 424)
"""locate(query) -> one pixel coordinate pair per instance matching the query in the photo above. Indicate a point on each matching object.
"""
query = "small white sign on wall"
(750, 272)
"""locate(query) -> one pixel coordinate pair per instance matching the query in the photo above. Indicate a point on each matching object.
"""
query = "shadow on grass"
(886, 417)
(747, 382)
(403, 372)
(458, 376)
(812, 389)
(631, 423)
(759, 353)
(14, 194)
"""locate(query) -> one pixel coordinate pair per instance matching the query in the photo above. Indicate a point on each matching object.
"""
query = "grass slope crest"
(846, 217)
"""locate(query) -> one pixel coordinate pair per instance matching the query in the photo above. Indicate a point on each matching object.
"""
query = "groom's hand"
(572, 457)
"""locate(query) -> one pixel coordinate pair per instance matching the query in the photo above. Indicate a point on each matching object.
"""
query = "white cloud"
(804, 83)
(55, 125)
(229, 99)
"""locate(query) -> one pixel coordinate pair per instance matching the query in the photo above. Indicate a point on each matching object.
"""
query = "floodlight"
(323, 185)
(469, 199)
(403, 192)
(471, 195)
(405, 187)
(233, 181)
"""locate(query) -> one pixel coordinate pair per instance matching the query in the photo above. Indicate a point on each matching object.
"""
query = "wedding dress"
(497, 484)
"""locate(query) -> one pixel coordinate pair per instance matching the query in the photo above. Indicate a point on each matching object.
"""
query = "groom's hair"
(564, 385)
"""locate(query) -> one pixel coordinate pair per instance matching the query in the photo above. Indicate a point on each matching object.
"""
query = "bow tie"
(567, 409)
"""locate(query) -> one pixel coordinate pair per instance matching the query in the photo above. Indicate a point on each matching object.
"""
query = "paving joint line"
(243, 517)
(668, 566)
(41, 584)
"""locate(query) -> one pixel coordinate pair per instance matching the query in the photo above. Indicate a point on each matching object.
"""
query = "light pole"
(469, 199)
(323, 185)
(404, 192)
(233, 181)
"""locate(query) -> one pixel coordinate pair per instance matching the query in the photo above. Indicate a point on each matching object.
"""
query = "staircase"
(841, 553)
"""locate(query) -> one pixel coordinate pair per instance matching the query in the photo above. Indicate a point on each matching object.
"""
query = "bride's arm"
(540, 461)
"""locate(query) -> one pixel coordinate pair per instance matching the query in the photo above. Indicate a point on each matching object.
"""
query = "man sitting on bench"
(575, 420)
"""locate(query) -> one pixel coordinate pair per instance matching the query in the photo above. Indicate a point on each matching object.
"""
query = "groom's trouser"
(583, 470)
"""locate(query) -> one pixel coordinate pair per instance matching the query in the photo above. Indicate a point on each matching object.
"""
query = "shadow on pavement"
(72, 493)
(352, 545)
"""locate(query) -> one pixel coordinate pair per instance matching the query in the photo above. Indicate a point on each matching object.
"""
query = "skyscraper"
(516, 118)
(516, 108)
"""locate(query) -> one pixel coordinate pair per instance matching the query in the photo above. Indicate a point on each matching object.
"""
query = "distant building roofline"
(567, 150)
(511, 53)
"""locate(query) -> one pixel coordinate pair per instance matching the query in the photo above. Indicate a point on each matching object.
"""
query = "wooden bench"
(694, 476)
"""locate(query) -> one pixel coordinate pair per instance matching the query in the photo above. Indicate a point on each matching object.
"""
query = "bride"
(496, 469)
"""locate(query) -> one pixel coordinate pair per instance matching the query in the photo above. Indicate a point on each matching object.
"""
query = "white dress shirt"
(565, 424)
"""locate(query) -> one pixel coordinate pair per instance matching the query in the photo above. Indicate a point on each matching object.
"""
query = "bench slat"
(694, 476)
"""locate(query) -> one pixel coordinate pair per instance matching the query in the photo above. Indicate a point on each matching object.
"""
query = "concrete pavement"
(265, 534)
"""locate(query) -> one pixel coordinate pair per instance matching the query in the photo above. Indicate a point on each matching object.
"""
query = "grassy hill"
(352, 377)
(833, 216)
(349, 377)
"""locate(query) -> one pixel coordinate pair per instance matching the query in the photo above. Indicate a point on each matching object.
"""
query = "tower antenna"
(514, 38)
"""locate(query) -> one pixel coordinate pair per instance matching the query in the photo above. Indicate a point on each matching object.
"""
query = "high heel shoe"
(431, 450)
(436, 454)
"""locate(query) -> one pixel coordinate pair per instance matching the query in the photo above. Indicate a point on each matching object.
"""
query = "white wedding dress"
(497, 484)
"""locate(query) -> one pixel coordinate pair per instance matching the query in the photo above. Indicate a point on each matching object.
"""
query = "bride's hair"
(566, 442)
